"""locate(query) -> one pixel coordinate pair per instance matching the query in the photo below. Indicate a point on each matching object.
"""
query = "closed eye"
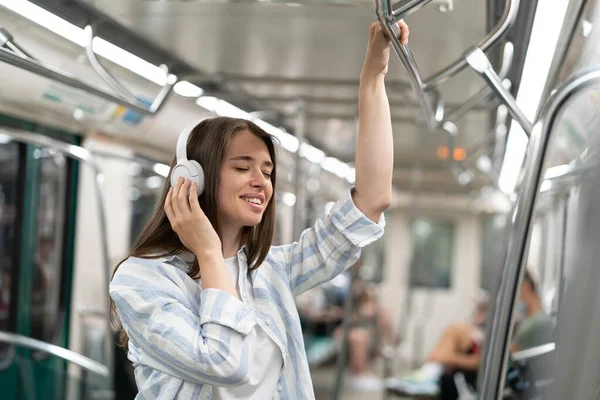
(242, 169)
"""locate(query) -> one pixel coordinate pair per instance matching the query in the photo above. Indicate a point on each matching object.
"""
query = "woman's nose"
(258, 179)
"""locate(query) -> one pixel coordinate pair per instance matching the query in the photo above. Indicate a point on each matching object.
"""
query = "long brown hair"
(207, 144)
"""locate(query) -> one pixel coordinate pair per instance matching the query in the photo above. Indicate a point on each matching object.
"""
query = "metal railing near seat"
(74, 358)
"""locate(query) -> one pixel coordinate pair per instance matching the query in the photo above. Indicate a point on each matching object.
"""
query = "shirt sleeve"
(205, 343)
(331, 246)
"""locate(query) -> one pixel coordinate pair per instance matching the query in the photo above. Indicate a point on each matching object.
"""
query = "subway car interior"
(473, 291)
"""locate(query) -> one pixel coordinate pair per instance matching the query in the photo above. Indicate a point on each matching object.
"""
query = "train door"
(37, 201)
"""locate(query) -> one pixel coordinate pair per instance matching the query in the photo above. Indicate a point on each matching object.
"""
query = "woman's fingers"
(183, 199)
(193, 199)
(173, 194)
(169, 209)
(403, 35)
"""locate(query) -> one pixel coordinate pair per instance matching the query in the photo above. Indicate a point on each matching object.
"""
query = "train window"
(47, 264)
(493, 246)
(145, 190)
(373, 261)
(9, 163)
(431, 265)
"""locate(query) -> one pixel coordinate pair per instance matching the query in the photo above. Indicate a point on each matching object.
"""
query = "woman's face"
(245, 186)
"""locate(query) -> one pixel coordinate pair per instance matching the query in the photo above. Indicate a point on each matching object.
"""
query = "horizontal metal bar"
(477, 59)
(533, 352)
(41, 69)
(350, 101)
(287, 80)
(316, 116)
(62, 353)
(406, 7)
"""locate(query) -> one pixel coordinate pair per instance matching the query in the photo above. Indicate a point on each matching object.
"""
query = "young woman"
(206, 304)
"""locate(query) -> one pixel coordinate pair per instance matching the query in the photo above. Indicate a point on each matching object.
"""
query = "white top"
(266, 364)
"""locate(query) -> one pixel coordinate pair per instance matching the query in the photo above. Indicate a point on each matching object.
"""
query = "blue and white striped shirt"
(183, 340)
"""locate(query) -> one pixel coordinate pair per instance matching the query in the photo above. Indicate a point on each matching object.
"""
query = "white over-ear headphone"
(187, 169)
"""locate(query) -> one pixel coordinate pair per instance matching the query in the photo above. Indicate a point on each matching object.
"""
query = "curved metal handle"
(101, 71)
(508, 18)
(81, 154)
(385, 15)
(494, 366)
(19, 58)
(68, 355)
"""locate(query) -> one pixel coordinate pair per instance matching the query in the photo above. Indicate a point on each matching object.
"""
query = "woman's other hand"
(189, 221)
(378, 50)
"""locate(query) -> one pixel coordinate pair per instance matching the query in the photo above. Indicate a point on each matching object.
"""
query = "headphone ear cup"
(189, 170)
(198, 176)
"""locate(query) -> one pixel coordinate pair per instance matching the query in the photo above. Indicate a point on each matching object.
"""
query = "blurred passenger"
(206, 304)
(370, 327)
(319, 318)
(459, 350)
(436, 377)
(535, 327)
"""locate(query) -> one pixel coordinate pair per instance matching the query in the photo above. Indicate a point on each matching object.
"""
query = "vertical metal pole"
(299, 186)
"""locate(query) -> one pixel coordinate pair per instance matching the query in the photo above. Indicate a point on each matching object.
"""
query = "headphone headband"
(181, 151)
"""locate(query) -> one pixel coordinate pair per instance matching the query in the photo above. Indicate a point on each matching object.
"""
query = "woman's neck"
(231, 241)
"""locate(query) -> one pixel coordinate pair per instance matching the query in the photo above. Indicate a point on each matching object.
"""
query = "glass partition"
(554, 347)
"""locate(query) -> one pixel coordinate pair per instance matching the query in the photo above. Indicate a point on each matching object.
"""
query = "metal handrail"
(511, 7)
(65, 354)
(6, 39)
(485, 92)
(533, 352)
(387, 20)
(406, 7)
(101, 71)
(21, 59)
(387, 16)
(83, 155)
(494, 365)
(477, 59)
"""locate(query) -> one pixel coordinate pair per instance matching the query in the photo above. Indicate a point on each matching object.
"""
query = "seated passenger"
(436, 377)
(459, 349)
(370, 326)
(536, 327)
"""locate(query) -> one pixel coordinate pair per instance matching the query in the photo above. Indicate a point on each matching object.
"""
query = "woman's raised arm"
(375, 147)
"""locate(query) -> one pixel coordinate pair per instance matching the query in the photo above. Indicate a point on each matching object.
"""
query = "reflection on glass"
(9, 166)
(431, 265)
(47, 263)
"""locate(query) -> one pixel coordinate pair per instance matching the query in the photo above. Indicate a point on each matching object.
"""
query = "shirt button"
(279, 388)
(268, 322)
